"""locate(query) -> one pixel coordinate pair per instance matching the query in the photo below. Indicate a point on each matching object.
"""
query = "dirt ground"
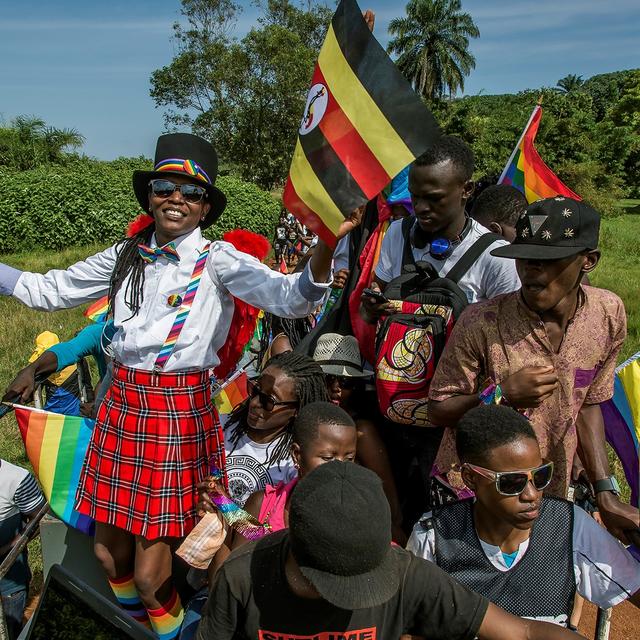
(625, 622)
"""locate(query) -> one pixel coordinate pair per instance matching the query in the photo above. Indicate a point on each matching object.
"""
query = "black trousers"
(412, 452)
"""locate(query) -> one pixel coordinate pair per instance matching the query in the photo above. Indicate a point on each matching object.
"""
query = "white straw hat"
(339, 356)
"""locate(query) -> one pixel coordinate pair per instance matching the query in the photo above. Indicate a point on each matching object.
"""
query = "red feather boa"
(245, 316)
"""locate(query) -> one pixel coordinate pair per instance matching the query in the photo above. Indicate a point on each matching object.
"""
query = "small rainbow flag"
(56, 446)
(231, 392)
(622, 422)
(526, 171)
(98, 310)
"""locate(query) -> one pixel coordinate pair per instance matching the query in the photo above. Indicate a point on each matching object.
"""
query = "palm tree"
(28, 142)
(432, 43)
(569, 83)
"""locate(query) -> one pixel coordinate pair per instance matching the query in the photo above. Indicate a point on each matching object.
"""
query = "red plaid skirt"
(154, 438)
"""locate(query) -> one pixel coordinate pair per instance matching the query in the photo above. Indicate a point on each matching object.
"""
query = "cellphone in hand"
(379, 297)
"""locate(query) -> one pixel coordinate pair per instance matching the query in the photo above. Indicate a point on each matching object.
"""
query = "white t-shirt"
(487, 278)
(606, 573)
(19, 492)
(247, 468)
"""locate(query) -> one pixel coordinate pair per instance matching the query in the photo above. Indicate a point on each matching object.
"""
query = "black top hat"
(186, 155)
(553, 229)
(340, 535)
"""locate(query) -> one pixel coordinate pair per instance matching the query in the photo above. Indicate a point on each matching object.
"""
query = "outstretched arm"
(60, 288)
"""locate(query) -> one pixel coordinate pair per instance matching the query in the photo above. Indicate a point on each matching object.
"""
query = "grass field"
(619, 271)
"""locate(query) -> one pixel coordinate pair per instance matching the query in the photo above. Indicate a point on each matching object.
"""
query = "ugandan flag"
(361, 126)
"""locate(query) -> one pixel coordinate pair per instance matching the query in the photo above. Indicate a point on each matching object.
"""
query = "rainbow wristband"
(492, 394)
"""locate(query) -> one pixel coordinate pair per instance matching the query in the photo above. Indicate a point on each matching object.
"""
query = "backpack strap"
(471, 255)
(407, 251)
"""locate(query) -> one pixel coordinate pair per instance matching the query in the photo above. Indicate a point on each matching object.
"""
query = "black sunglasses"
(162, 188)
(513, 483)
(267, 402)
(345, 382)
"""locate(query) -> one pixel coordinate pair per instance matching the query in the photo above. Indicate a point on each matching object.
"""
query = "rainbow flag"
(526, 171)
(98, 310)
(362, 124)
(231, 392)
(56, 446)
(622, 422)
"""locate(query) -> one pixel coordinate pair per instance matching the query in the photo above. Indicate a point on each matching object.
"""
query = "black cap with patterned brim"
(553, 229)
(184, 154)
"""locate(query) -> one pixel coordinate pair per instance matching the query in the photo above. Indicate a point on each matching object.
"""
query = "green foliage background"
(86, 201)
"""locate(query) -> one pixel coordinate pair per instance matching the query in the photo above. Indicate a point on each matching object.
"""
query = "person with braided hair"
(171, 296)
(258, 434)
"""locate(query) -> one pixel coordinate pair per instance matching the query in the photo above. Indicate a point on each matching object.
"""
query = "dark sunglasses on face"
(161, 188)
(267, 402)
(344, 381)
(513, 483)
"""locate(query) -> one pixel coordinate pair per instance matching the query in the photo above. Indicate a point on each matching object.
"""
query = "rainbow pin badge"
(174, 300)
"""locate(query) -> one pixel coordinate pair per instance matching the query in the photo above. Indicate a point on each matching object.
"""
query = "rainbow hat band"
(178, 165)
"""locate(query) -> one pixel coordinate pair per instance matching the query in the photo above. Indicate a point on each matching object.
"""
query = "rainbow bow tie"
(149, 254)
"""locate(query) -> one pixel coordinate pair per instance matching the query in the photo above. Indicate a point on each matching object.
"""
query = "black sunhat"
(553, 229)
(340, 533)
(186, 155)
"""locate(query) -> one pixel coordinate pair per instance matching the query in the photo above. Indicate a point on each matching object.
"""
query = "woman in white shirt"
(157, 430)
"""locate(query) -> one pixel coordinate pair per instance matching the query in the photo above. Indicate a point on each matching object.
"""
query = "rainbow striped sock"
(127, 595)
(167, 620)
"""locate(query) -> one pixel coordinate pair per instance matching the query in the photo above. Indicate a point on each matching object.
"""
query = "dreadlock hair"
(128, 262)
(499, 203)
(449, 148)
(485, 428)
(310, 387)
(294, 328)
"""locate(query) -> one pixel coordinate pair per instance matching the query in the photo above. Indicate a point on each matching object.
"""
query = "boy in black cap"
(335, 576)
(548, 350)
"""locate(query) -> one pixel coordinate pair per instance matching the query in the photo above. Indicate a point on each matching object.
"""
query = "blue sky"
(86, 65)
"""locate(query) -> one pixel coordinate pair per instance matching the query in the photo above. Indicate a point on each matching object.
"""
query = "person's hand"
(87, 409)
(340, 278)
(529, 387)
(22, 387)
(369, 18)
(374, 310)
(350, 223)
(621, 520)
(204, 503)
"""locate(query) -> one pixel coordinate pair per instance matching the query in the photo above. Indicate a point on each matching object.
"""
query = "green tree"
(246, 96)
(27, 142)
(569, 83)
(432, 43)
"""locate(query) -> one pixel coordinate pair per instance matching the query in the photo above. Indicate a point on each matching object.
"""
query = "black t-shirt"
(251, 600)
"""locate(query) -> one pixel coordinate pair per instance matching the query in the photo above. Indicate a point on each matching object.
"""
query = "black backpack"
(409, 343)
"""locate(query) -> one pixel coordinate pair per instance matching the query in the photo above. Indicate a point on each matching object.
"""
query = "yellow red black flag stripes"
(361, 126)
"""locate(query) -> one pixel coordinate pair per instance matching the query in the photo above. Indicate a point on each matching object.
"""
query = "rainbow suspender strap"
(183, 311)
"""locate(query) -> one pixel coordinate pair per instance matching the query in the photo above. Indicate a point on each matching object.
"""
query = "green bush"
(88, 202)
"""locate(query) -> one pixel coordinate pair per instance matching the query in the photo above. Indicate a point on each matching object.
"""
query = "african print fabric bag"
(410, 342)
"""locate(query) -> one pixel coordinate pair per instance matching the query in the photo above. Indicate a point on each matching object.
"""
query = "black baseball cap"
(553, 229)
(340, 535)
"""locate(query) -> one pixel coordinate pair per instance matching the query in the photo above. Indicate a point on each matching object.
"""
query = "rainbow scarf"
(183, 311)
(622, 422)
(526, 171)
(236, 517)
(56, 446)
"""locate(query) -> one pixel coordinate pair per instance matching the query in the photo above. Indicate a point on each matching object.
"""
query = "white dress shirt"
(138, 339)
